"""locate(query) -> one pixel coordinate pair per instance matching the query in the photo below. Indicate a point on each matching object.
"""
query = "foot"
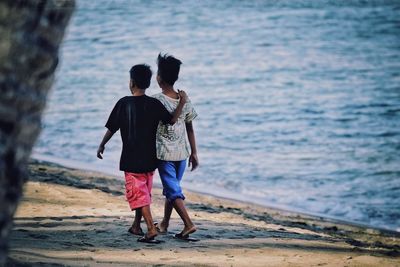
(151, 233)
(188, 230)
(185, 238)
(161, 227)
(144, 239)
(136, 231)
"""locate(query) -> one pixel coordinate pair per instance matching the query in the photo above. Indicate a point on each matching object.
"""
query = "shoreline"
(71, 217)
(83, 167)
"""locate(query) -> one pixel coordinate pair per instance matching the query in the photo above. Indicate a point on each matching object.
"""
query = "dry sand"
(80, 218)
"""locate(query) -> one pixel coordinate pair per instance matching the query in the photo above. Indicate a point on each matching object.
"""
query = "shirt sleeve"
(113, 120)
(163, 113)
(191, 114)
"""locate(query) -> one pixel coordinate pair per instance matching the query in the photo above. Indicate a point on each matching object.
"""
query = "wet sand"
(71, 217)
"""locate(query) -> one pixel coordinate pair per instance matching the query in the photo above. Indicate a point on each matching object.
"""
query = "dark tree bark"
(30, 35)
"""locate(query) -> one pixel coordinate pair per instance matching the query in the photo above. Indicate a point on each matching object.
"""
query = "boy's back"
(171, 140)
(137, 118)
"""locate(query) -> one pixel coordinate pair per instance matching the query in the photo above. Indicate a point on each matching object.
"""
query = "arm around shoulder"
(183, 99)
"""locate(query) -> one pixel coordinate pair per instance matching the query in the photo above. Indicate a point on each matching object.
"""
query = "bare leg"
(167, 216)
(180, 208)
(136, 223)
(151, 229)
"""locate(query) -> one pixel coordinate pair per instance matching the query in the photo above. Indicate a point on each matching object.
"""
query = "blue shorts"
(171, 173)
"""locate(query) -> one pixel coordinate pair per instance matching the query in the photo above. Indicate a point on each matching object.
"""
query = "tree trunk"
(30, 35)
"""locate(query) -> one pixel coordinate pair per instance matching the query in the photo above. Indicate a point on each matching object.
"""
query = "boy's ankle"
(136, 226)
(190, 225)
(152, 230)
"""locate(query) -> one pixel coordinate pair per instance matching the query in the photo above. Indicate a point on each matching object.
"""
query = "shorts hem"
(139, 205)
(172, 199)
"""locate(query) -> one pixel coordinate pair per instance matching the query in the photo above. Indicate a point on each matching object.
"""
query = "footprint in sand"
(167, 259)
(39, 236)
(56, 219)
(221, 232)
(87, 244)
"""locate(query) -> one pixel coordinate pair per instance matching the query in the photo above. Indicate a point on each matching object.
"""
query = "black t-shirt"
(137, 118)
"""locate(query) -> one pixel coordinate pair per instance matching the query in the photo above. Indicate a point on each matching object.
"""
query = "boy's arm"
(179, 108)
(193, 160)
(112, 126)
(169, 118)
(106, 138)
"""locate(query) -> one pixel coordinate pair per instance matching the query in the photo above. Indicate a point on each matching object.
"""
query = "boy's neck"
(169, 91)
(138, 92)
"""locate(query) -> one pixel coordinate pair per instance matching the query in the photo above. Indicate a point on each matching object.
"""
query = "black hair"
(168, 68)
(141, 75)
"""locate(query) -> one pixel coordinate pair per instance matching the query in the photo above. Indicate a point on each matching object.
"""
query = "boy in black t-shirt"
(137, 118)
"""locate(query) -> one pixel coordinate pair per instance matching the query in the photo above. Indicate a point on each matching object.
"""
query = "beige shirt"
(172, 143)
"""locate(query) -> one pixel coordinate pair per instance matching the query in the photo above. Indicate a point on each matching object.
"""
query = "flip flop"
(144, 239)
(159, 230)
(185, 238)
(141, 233)
(188, 232)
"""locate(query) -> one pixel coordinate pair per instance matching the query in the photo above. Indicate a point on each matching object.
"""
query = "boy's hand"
(183, 96)
(194, 161)
(100, 152)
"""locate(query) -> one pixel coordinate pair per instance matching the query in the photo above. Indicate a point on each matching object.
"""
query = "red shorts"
(138, 189)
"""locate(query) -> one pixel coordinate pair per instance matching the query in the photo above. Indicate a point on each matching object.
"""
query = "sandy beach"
(71, 217)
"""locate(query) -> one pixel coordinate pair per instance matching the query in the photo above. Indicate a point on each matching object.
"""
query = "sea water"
(298, 101)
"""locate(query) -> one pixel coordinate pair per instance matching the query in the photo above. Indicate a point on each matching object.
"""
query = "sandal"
(185, 238)
(159, 229)
(140, 233)
(151, 240)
